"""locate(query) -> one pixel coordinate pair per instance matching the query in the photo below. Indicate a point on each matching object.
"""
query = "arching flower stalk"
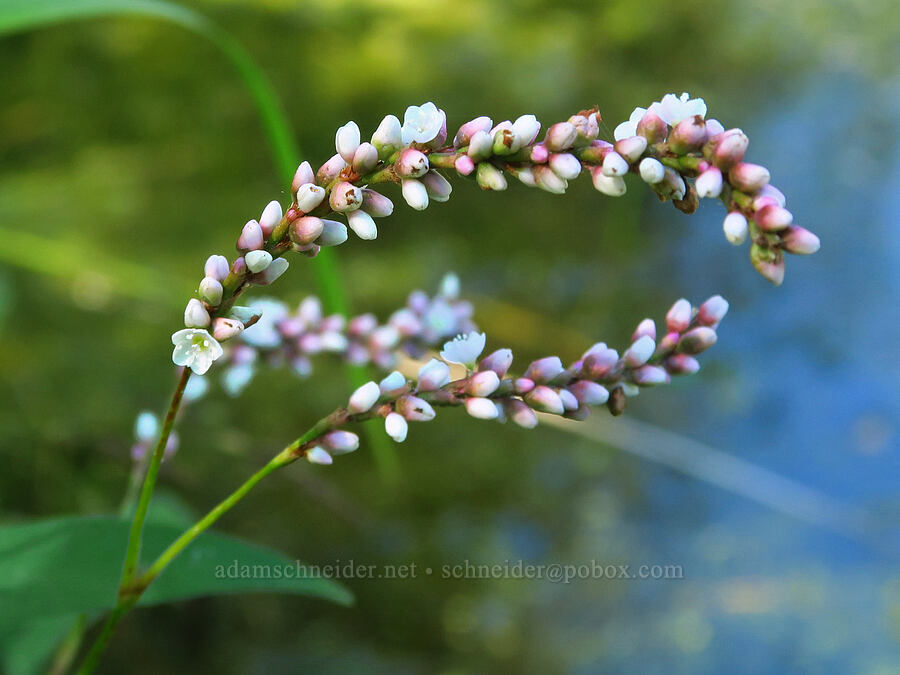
(669, 145)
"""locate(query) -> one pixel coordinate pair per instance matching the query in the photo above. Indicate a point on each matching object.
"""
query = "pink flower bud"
(523, 385)
(340, 442)
(499, 362)
(735, 227)
(614, 186)
(544, 370)
(333, 233)
(345, 197)
(483, 383)
(414, 409)
(714, 128)
(539, 154)
(599, 361)
(730, 148)
(772, 192)
(470, 128)
(631, 148)
(225, 329)
(362, 225)
(365, 158)
(346, 141)
(309, 196)
(712, 311)
(464, 165)
(587, 127)
(545, 399)
(647, 376)
(697, 340)
(520, 413)
(589, 393)
(376, 204)
(709, 183)
(412, 163)
(646, 327)
(414, 193)
(490, 177)
(640, 351)
(330, 170)
(525, 175)
(748, 177)
(547, 179)
(363, 398)
(437, 186)
(240, 266)
(525, 129)
(773, 218)
(216, 267)
(251, 237)
(306, 230)
(768, 262)
(800, 241)
(561, 136)
(678, 317)
(302, 176)
(689, 134)
(270, 218)
(481, 408)
(565, 165)
(682, 364)
(653, 128)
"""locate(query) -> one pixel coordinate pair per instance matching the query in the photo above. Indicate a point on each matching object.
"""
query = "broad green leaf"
(72, 564)
(25, 648)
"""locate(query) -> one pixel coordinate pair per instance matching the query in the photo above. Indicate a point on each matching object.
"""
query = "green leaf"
(26, 647)
(72, 564)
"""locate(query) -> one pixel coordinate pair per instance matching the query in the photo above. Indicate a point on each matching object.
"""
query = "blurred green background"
(129, 151)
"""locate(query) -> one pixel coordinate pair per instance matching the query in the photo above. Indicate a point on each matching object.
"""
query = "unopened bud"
(614, 186)
(365, 158)
(653, 128)
(768, 262)
(711, 312)
(345, 197)
(688, 135)
(270, 218)
(195, 314)
(589, 393)
(483, 383)
(682, 364)
(648, 376)
(346, 141)
(330, 170)
(414, 193)
(481, 408)
(362, 224)
(437, 186)
(520, 413)
(544, 370)
(414, 409)
(433, 375)
(678, 317)
(470, 128)
(646, 327)
(730, 148)
(565, 165)
(709, 183)
(224, 328)
(640, 351)
(388, 137)
(652, 170)
(561, 136)
(489, 177)
(302, 176)
(306, 230)
(748, 177)
(499, 362)
(216, 267)
(773, 218)
(545, 399)
(309, 196)
(333, 233)
(412, 163)
(547, 179)
(363, 398)
(257, 261)
(480, 146)
(464, 165)
(735, 227)
(340, 442)
(800, 241)
(251, 237)
(211, 290)
(697, 340)
(317, 455)
(614, 164)
(631, 148)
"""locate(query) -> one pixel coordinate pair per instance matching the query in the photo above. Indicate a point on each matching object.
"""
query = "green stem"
(133, 551)
(283, 458)
(92, 660)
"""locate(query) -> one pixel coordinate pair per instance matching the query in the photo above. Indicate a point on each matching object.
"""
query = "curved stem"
(133, 551)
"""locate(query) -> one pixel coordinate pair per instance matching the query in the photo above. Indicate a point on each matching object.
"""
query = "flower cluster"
(281, 337)
(668, 145)
(600, 377)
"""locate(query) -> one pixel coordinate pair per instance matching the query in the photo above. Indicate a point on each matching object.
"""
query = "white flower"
(672, 109)
(195, 348)
(264, 333)
(423, 123)
(629, 128)
(464, 349)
